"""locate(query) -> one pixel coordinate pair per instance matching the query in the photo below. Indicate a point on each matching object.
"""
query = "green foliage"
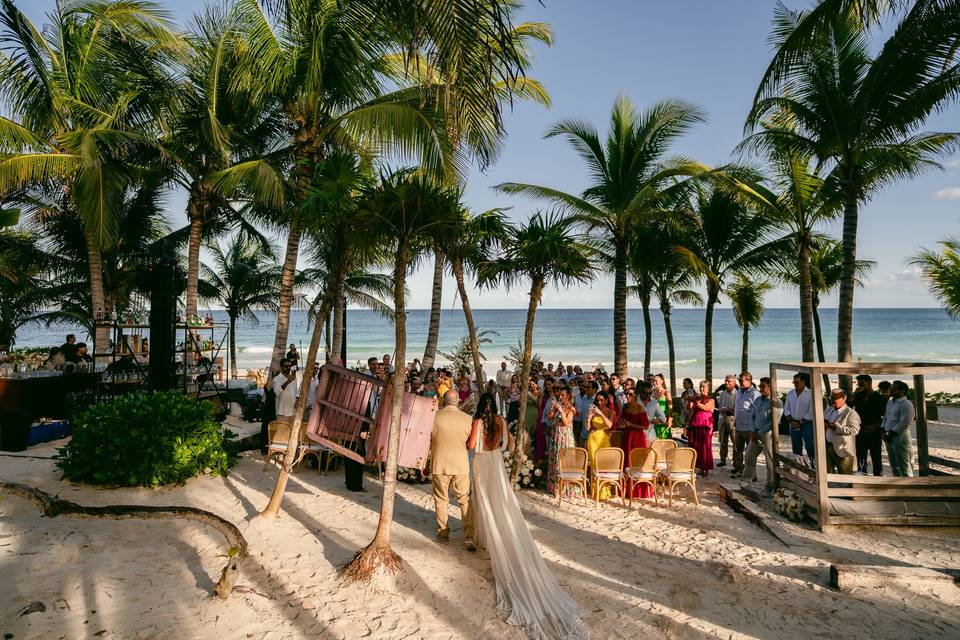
(944, 399)
(149, 440)
(461, 358)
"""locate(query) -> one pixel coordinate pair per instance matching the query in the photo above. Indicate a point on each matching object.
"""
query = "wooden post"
(923, 449)
(774, 400)
(819, 446)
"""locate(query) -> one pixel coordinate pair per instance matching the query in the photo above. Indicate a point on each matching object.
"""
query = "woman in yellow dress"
(600, 419)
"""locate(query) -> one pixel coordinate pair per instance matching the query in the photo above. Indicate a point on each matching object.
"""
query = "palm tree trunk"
(378, 553)
(848, 281)
(273, 507)
(98, 303)
(233, 346)
(471, 327)
(806, 304)
(339, 305)
(519, 444)
(620, 311)
(816, 325)
(197, 201)
(713, 294)
(745, 349)
(287, 276)
(433, 330)
(671, 352)
(647, 338)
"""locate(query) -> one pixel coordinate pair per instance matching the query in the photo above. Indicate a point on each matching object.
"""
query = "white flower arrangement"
(790, 504)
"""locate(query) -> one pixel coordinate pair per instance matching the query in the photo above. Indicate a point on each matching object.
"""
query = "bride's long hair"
(487, 411)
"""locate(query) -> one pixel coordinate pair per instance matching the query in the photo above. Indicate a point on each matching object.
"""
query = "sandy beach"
(665, 572)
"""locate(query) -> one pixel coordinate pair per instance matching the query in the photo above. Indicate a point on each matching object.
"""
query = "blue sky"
(709, 52)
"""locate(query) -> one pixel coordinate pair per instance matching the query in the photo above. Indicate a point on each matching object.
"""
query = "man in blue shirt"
(763, 415)
(742, 415)
(896, 430)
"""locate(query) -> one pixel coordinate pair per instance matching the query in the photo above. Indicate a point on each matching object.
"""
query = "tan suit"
(842, 441)
(450, 467)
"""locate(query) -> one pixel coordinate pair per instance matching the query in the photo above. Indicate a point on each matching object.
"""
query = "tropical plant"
(461, 358)
(632, 180)
(941, 270)
(24, 270)
(546, 252)
(860, 115)
(242, 279)
(724, 237)
(746, 296)
(85, 97)
(514, 356)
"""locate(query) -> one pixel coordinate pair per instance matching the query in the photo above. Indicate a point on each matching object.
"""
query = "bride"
(526, 590)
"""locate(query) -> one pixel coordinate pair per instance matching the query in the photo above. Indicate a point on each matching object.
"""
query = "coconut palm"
(80, 112)
(436, 300)
(941, 270)
(746, 296)
(860, 115)
(724, 237)
(24, 275)
(242, 279)
(546, 252)
(631, 180)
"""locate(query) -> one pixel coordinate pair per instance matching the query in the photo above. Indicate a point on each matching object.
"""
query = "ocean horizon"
(585, 336)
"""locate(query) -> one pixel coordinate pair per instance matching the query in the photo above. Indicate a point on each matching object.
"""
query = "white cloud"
(952, 193)
(954, 166)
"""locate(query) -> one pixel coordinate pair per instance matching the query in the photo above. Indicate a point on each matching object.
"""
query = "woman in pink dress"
(634, 422)
(700, 428)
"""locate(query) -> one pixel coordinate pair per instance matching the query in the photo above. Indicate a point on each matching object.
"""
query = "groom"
(450, 440)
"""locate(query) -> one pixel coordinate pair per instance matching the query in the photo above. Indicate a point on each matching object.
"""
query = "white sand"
(680, 572)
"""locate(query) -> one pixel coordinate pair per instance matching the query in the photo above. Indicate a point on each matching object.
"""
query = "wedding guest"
(294, 357)
(586, 400)
(312, 390)
(897, 416)
(726, 407)
(742, 420)
(464, 386)
(870, 406)
(686, 397)
(513, 399)
(562, 412)
(619, 395)
(700, 427)
(386, 363)
(453, 435)
(268, 412)
(884, 390)
(600, 420)
(654, 412)
(799, 412)
(662, 395)
(841, 424)
(416, 386)
(68, 347)
(544, 433)
(285, 390)
(634, 422)
(763, 417)
(371, 369)
(504, 381)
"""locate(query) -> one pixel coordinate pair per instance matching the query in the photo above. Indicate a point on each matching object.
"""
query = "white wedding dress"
(527, 593)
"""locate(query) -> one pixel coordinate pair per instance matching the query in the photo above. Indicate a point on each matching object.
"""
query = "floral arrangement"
(527, 471)
(410, 475)
(790, 504)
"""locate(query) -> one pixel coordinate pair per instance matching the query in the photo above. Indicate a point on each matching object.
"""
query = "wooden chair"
(572, 470)
(681, 469)
(307, 447)
(661, 447)
(278, 434)
(642, 470)
(608, 470)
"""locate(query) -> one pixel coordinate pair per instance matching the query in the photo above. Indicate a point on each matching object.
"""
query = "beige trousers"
(441, 499)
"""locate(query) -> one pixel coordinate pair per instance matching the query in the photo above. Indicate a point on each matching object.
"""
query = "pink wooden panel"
(416, 423)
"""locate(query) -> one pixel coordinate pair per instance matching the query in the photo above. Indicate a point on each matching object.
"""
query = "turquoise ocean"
(584, 336)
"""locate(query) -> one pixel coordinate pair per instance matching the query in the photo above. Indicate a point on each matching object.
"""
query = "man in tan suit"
(842, 425)
(453, 435)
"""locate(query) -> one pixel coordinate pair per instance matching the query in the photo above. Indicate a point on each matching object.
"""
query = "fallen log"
(52, 506)
(845, 577)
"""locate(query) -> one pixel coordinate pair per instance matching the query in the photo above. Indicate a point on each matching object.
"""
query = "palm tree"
(746, 296)
(24, 275)
(546, 252)
(242, 280)
(436, 300)
(474, 242)
(724, 237)
(858, 114)
(80, 113)
(407, 209)
(941, 270)
(631, 180)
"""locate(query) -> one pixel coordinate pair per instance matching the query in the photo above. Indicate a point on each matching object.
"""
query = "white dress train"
(526, 591)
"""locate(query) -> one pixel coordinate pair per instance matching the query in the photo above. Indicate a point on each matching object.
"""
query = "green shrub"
(145, 439)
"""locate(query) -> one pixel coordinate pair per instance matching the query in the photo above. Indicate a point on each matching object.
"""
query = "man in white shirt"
(285, 389)
(504, 376)
(897, 417)
(799, 412)
(841, 424)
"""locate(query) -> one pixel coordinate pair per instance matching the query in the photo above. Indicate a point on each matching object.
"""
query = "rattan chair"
(661, 447)
(642, 470)
(681, 469)
(608, 470)
(278, 434)
(307, 447)
(571, 470)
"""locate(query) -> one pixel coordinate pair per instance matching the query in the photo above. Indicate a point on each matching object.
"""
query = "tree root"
(366, 562)
(52, 506)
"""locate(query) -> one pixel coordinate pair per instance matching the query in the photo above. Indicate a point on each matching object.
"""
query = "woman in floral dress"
(561, 415)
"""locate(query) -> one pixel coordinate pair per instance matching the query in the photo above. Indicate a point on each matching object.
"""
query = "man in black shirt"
(870, 406)
(69, 347)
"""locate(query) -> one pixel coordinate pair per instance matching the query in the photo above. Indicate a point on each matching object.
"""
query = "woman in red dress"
(634, 422)
(700, 428)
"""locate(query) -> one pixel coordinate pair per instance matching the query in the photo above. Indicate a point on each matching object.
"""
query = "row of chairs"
(663, 466)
